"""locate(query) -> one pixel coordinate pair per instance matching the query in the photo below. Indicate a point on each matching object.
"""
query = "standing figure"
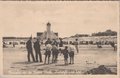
(29, 49)
(99, 45)
(61, 47)
(113, 45)
(48, 53)
(76, 45)
(65, 53)
(61, 43)
(37, 51)
(4, 44)
(54, 53)
(71, 50)
(13, 44)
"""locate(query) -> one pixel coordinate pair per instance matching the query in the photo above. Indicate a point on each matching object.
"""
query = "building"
(21, 41)
(48, 33)
(14, 41)
(93, 39)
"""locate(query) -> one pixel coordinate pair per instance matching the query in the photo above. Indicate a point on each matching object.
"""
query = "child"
(54, 53)
(65, 53)
(48, 53)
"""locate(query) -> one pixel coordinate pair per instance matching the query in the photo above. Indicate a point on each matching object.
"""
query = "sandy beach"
(89, 57)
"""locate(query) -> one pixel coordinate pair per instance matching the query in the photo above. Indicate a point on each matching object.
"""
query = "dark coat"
(29, 46)
(37, 46)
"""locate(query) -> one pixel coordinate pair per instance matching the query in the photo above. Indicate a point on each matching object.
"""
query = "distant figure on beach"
(37, 50)
(61, 47)
(4, 44)
(14, 44)
(48, 53)
(76, 45)
(71, 50)
(30, 50)
(61, 42)
(65, 53)
(113, 45)
(99, 45)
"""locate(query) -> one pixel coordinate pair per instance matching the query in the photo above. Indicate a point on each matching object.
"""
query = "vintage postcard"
(59, 39)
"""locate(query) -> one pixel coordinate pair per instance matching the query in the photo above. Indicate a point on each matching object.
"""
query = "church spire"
(48, 30)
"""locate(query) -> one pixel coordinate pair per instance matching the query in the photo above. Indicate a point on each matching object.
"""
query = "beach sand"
(89, 57)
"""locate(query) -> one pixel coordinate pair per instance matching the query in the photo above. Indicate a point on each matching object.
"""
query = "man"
(61, 47)
(29, 49)
(37, 51)
(61, 42)
(71, 50)
(113, 45)
(76, 45)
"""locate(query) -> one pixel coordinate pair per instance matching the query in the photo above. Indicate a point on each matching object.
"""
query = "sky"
(22, 19)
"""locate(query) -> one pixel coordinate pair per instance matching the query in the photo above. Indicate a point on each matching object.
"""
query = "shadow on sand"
(61, 65)
(23, 62)
(44, 64)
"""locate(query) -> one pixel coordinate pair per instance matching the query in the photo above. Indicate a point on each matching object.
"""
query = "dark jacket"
(37, 45)
(61, 44)
(29, 45)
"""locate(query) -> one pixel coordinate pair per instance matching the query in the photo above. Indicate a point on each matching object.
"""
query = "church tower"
(48, 33)
(48, 30)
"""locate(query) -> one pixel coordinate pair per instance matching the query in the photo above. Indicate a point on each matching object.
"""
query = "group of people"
(52, 49)
(36, 48)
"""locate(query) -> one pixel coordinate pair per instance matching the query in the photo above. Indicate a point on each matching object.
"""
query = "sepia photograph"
(60, 37)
